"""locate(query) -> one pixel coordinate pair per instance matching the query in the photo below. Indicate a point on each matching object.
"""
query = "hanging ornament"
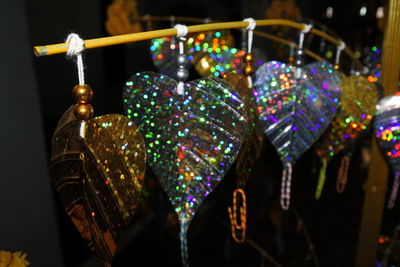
(193, 132)
(357, 107)
(387, 130)
(295, 105)
(252, 144)
(97, 165)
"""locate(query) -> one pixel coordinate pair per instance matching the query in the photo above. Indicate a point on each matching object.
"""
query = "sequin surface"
(387, 129)
(192, 139)
(357, 108)
(98, 177)
(294, 112)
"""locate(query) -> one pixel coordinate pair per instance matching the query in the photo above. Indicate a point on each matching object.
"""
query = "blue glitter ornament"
(295, 106)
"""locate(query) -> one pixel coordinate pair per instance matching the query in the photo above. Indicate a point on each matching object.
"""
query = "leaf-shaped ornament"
(192, 139)
(295, 106)
(357, 107)
(98, 168)
(387, 130)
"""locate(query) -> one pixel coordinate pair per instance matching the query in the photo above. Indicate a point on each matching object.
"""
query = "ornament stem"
(285, 186)
(321, 180)
(184, 222)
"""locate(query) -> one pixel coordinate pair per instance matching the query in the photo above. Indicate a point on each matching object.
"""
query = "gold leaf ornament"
(98, 168)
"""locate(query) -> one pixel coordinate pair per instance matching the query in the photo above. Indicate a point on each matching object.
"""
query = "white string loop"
(250, 28)
(75, 48)
(182, 30)
(306, 29)
(339, 49)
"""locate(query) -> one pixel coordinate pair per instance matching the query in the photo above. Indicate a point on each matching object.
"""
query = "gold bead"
(249, 58)
(248, 70)
(82, 93)
(336, 66)
(83, 112)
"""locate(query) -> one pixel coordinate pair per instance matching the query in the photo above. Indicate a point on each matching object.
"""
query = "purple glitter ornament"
(295, 106)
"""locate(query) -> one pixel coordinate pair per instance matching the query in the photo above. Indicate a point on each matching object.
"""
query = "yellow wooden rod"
(48, 50)
(333, 36)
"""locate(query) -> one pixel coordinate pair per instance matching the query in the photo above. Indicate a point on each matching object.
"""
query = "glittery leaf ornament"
(192, 139)
(295, 106)
(253, 142)
(357, 107)
(98, 167)
(387, 130)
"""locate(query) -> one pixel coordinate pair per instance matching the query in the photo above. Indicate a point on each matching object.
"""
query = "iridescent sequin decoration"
(387, 130)
(98, 168)
(192, 139)
(295, 106)
(357, 107)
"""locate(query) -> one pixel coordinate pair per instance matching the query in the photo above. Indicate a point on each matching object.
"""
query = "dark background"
(36, 91)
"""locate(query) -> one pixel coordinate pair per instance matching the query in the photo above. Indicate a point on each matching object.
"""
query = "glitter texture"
(295, 112)
(98, 177)
(253, 142)
(212, 53)
(192, 139)
(357, 107)
(387, 129)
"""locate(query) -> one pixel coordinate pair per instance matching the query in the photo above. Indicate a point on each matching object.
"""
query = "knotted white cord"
(339, 49)
(75, 48)
(250, 28)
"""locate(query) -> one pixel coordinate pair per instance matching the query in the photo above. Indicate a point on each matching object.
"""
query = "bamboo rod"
(60, 48)
(374, 200)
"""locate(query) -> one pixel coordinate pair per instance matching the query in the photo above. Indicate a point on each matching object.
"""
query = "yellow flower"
(16, 259)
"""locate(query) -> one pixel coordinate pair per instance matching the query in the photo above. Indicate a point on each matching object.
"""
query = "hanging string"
(235, 225)
(300, 52)
(286, 186)
(321, 180)
(181, 35)
(250, 28)
(184, 221)
(339, 49)
(75, 48)
(341, 180)
(395, 189)
(306, 29)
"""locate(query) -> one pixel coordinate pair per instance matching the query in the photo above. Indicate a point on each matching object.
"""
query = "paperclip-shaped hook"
(235, 225)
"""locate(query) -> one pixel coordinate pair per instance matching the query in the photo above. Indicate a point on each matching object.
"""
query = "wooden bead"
(248, 70)
(249, 58)
(82, 93)
(83, 112)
